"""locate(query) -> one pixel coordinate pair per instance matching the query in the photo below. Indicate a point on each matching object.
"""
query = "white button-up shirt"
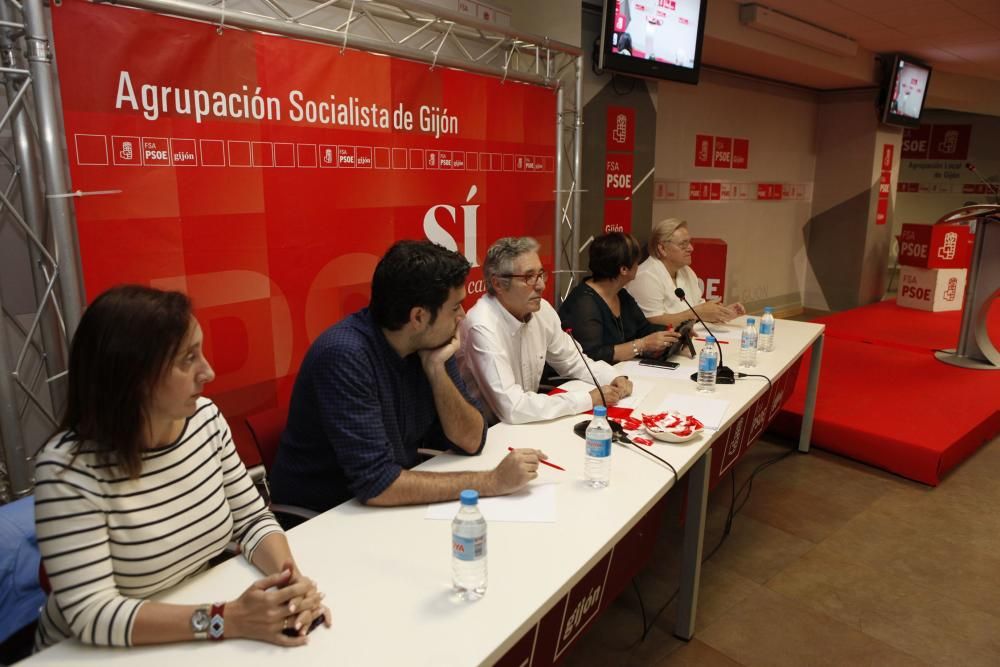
(502, 360)
(653, 288)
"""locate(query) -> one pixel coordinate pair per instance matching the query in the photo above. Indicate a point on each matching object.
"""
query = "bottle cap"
(768, 309)
(710, 339)
(469, 497)
(600, 411)
(751, 320)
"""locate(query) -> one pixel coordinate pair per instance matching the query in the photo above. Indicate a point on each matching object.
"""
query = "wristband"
(635, 349)
(217, 622)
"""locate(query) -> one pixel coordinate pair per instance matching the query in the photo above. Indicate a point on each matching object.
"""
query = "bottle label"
(746, 340)
(766, 328)
(707, 364)
(468, 548)
(598, 448)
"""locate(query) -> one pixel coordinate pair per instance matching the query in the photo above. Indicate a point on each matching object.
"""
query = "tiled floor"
(830, 563)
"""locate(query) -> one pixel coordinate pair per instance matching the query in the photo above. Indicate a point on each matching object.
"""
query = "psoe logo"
(620, 133)
(949, 143)
(438, 233)
(951, 291)
(948, 246)
(704, 150)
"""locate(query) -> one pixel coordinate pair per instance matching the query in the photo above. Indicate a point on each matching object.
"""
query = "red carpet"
(885, 400)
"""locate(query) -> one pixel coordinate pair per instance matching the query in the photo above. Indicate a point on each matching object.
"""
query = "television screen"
(905, 91)
(659, 39)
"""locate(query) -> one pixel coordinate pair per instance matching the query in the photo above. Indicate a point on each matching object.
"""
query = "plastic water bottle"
(748, 344)
(766, 341)
(468, 548)
(708, 365)
(597, 465)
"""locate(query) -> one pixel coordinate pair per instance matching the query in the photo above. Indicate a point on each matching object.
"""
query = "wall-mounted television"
(655, 39)
(904, 90)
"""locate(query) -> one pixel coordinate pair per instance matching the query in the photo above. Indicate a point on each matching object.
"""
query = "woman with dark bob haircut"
(142, 486)
(603, 315)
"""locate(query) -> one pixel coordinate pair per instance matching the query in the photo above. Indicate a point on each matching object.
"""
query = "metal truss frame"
(38, 164)
(35, 201)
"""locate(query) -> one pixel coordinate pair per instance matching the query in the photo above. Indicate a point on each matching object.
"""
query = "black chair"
(265, 430)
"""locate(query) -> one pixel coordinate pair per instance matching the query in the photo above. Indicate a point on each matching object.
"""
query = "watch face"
(199, 620)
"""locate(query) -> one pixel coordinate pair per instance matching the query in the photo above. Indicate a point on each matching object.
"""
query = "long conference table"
(387, 571)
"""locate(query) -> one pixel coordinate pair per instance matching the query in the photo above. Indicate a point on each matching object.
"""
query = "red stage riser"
(893, 407)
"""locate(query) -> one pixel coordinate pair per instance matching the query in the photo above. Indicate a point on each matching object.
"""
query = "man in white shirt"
(511, 332)
(667, 268)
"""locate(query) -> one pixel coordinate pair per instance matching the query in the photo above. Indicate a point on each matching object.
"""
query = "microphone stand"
(991, 186)
(581, 428)
(724, 375)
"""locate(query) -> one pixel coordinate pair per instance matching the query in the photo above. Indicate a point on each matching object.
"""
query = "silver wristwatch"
(199, 623)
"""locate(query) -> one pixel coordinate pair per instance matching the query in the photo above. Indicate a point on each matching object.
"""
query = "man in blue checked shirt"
(382, 383)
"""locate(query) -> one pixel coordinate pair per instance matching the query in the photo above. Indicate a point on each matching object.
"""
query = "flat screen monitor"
(905, 91)
(655, 39)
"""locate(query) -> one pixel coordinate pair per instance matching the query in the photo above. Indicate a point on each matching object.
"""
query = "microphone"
(992, 187)
(581, 428)
(583, 358)
(725, 374)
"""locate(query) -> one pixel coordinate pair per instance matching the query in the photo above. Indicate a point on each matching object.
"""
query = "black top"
(595, 326)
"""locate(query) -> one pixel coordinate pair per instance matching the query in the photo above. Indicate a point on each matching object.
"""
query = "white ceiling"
(961, 36)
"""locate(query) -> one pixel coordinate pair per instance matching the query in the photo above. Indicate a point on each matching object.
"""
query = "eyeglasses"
(686, 245)
(530, 279)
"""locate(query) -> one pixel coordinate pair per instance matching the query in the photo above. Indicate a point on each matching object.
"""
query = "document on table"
(535, 503)
(709, 411)
(729, 333)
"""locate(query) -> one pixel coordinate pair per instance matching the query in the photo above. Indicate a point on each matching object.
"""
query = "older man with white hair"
(510, 334)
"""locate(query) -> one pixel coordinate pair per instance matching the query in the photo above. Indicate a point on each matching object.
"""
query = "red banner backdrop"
(265, 176)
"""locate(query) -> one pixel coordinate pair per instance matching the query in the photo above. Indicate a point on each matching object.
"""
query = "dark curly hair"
(414, 274)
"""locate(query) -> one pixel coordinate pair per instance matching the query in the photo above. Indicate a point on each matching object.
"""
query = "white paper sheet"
(730, 333)
(634, 400)
(709, 411)
(535, 503)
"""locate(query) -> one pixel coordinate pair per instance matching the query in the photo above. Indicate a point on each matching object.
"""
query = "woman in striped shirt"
(143, 486)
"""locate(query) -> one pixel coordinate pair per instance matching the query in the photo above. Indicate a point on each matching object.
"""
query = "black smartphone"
(659, 363)
(318, 621)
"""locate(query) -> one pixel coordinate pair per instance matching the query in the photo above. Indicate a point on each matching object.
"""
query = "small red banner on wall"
(882, 212)
(769, 191)
(937, 142)
(723, 152)
(741, 153)
(950, 142)
(887, 150)
(618, 175)
(703, 150)
(620, 129)
(617, 215)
